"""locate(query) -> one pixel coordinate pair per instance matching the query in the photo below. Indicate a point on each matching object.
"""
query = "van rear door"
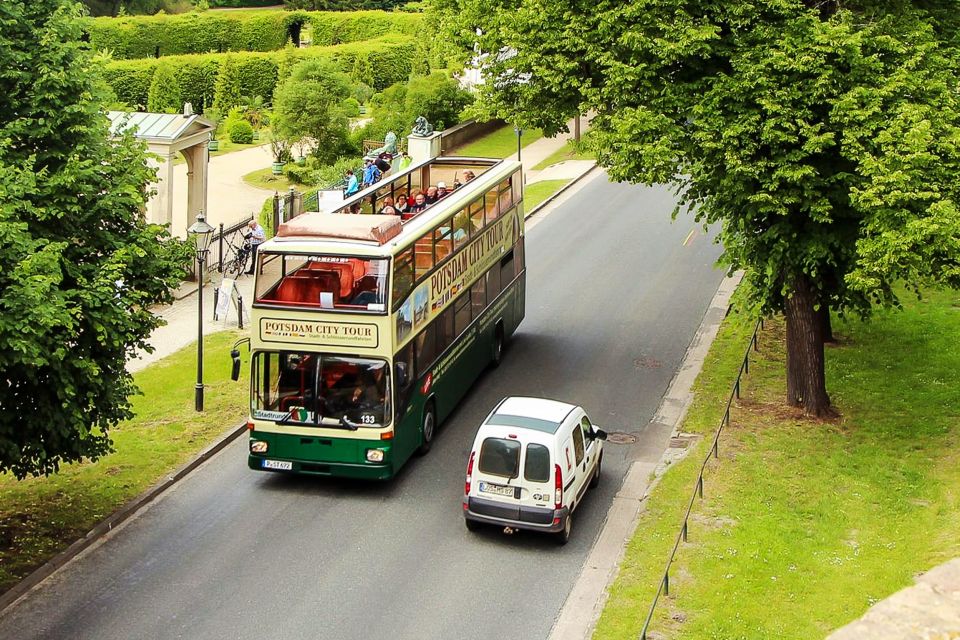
(497, 476)
(536, 493)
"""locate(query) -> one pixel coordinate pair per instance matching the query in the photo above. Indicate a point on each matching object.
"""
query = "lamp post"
(519, 132)
(202, 233)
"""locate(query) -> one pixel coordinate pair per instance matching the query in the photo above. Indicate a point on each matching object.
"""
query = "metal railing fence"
(664, 586)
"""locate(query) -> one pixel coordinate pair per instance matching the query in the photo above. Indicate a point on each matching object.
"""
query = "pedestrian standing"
(256, 236)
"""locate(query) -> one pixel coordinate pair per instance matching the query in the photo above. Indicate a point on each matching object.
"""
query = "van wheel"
(496, 355)
(427, 429)
(563, 537)
(595, 480)
(472, 525)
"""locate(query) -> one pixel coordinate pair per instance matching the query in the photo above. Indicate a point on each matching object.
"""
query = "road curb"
(560, 192)
(586, 600)
(119, 516)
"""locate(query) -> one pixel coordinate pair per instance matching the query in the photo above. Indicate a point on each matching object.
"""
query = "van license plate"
(282, 465)
(496, 489)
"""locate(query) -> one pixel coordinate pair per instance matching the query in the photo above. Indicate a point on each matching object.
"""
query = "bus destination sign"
(338, 334)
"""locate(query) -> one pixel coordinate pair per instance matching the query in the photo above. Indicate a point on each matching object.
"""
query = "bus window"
(404, 376)
(493, 282)
(507, 271)
(517, 187)
(443, 241)
(426, 349)
(476, 217)
(423, 255)
(461, 229)
(461, 314)
(478, 297)
(506, 195)
(402, 276)
(445, 333)
(490, 206)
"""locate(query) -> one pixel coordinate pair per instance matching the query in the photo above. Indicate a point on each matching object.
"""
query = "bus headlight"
(258, 446)
(375, 455)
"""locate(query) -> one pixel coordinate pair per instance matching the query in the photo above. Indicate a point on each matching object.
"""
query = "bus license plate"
(282, 465)
(496, 489)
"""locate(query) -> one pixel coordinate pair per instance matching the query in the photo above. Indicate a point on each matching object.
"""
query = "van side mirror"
(599, 434)
(235, 371)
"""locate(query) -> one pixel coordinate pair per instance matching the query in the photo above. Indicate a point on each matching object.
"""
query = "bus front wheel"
(427, 429)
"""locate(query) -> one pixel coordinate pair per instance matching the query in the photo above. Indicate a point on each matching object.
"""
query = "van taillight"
(557, 486)
(466, 485)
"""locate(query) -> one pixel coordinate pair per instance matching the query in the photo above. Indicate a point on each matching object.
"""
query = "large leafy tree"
(822, 135)
(309, 107)
(79, 267)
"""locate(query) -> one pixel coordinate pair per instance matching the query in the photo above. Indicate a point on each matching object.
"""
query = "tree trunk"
(826, 326)
(794, 373)
(805, 358)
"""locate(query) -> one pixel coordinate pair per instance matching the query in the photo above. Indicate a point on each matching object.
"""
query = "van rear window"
(536, 467)
(500, 457)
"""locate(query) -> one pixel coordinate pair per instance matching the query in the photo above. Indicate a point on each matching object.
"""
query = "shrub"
(390, 58)
(133, 37)
(299, 175)
(240, 132)
(164, 93)
(351, 108)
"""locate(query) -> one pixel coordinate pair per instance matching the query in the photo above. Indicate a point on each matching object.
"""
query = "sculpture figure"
(389, 146)
(421, 127)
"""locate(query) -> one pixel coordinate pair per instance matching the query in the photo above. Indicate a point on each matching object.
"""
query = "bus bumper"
(366, 471)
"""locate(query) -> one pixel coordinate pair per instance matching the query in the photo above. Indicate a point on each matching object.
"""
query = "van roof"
(539, 414)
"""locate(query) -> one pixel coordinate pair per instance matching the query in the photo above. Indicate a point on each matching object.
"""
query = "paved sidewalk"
(230, 196)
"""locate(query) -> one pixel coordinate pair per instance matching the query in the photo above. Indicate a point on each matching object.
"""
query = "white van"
(531, 464)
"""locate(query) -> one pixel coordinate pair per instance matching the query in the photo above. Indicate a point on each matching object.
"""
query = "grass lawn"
(537, 192)
(39, 517)
(566, 152)
(805, 525)
(264, 179)
(498, 144)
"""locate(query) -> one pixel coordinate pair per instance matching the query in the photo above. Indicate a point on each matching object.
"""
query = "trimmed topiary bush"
(240, 132)
(390, 58)
(351, 108)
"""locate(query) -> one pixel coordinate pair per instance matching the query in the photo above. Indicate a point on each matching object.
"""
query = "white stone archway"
(167, 135)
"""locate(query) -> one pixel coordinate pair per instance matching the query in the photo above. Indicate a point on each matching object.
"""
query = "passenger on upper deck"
(442, 189)
(431, 197)
(402, 205)
(387, 202)
(388, 210)
(419, 203)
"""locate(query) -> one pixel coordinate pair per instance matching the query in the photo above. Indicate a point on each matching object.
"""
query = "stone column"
(423, 148)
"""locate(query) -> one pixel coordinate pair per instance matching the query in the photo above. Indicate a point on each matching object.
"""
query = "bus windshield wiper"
(345, 421)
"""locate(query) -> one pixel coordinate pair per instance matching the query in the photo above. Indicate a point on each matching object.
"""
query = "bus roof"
(411, 229)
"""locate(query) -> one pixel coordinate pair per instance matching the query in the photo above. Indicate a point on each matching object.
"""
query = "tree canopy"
(823, 136)
(79, 266)
(308, 107)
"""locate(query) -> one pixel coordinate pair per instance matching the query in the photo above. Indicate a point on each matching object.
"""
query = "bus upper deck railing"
(664, 584)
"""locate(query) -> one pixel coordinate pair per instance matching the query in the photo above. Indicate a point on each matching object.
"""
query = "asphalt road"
(615, 294)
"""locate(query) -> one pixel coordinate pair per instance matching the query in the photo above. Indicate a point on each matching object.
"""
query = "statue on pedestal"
(422, 128)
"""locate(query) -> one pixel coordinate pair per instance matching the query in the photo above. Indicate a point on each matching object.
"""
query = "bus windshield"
(321, 390)
(353, 284)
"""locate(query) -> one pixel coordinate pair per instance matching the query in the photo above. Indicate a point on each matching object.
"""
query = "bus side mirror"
(401, 375)
(235, 372)
(599, 434)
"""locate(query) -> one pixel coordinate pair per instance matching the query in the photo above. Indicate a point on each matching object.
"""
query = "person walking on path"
(353, 185)
(256, 237)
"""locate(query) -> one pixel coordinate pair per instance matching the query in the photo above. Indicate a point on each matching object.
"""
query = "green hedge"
(135, 37)
(390, 59)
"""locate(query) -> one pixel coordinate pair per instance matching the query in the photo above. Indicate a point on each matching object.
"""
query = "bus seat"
(366, 283)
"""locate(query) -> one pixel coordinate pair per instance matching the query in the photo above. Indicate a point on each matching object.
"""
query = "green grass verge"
(264, 179)
(564, 153)
(39, 517)
(537, 192)
(498, 144)
(806, 524)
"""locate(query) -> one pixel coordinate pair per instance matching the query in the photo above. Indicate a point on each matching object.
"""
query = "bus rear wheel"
(496, 354)
(427, 429)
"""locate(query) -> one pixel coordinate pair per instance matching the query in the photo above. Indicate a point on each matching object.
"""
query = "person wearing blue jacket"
(353, 185)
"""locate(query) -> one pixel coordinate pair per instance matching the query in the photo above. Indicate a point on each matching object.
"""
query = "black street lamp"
(519, 132)
(202, 233)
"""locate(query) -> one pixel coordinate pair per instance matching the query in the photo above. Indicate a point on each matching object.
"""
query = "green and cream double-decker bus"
(368, 329)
